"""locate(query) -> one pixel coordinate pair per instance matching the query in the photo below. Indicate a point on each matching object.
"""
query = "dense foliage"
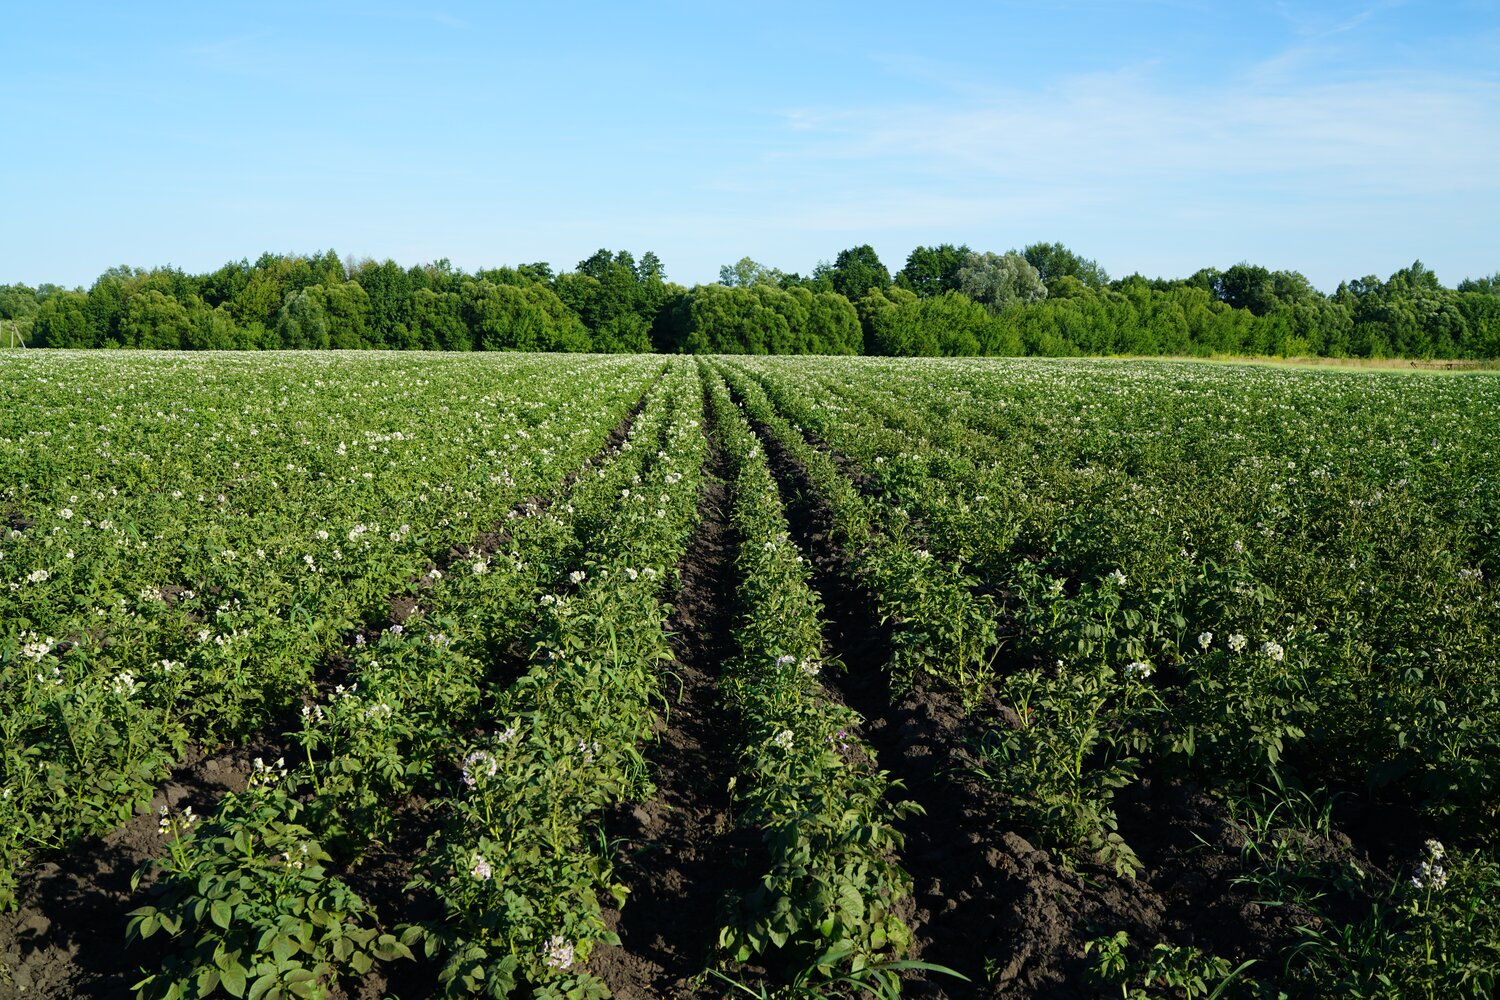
(1044, 300)
(1275, 586)
(443, 587)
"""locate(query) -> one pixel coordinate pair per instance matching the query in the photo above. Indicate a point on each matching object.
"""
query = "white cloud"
(1102, 135)
(1334, 178)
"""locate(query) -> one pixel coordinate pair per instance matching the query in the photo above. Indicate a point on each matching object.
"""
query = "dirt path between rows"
(67, 937)
(955, 871)
(1010, 917)
(675, 851)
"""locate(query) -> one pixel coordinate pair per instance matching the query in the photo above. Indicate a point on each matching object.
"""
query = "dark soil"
(381, 880)
(67, 939)
(1010, 917)
(675, 852)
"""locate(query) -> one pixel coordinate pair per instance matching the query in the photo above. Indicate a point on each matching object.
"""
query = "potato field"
(389, 674)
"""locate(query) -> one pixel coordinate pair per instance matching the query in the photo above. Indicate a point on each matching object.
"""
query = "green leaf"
(261, 986)
(234, 980)
(222, 914)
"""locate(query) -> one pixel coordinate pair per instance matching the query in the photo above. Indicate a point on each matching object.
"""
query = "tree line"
(946, 300)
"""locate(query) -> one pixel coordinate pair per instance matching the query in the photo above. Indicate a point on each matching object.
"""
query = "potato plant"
(1242, 577)
(827, 905)
(446, 584)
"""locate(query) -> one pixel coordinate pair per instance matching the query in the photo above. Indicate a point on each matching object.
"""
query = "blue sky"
(1338, 139)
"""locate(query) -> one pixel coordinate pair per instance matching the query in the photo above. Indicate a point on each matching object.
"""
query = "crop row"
(1276, 586)
(179, 570)
(827, 904)
(512, 858)
(252, 897)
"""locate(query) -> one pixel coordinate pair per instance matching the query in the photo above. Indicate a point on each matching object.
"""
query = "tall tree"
(389, 288)
(106, 303)
(302, 323)
(745, 273)
(1486, 285)
(997, 281)
(616, 298)
(1249, 286)
(855, 271)
(154, 320)
(932, 271)
(521, 318)
(1053, 261)
(62, 321)
(650, 268)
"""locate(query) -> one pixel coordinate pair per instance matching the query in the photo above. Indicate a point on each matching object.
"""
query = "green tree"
(898, 323)
(438, 322)
(273, 277)
(212, 329)
(816, 282)
(62, 321)
(964, 327)
(855, 271)
(1489, 285)
(1054, 261)
(106, 303)
(154, 320)
(348, 310)
(746, 273)
(19, 301)
(721, 320)
(932, 270)
(303, 320)
(389, 289)
(893, 326)
(833, 325)
(439, 276)
(761, 319)
(1248, 286)
(225, 284)
(650, 268)
(617, 300)
(521, 318)
(18, 306)
(997, 281)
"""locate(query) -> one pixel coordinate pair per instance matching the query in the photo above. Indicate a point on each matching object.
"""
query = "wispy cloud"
(1323, 36)
(1108, 134)
(1331, 19)
(237, 51)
